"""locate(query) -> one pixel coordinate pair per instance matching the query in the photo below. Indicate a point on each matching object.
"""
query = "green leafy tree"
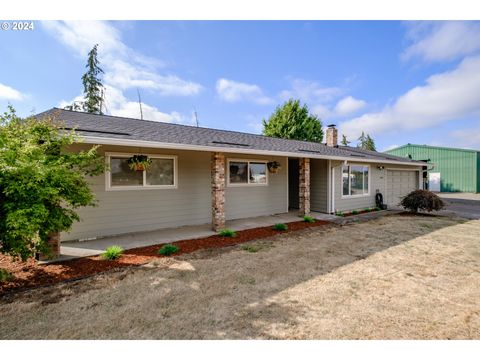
(293, 121)
(92, 86)
(41, 184)
(344, 141)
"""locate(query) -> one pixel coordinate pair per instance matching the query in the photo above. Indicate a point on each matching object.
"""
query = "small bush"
(228, 233)
(280, 227)
(340, 213)
(168, 249)
(367, 209)
(5, 275)
(308, 219)
(377, 209)
(422, 200)
(354, 212)
(112, 252)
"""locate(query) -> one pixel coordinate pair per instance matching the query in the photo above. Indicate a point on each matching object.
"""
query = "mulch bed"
(359, 212)
(407, 213)
(30, 274)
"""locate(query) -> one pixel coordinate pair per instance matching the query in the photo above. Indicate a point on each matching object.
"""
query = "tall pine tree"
(93, 87)
(344, 141)
(365, 142)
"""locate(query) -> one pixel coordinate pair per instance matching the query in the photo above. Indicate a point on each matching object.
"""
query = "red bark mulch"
(30, 274)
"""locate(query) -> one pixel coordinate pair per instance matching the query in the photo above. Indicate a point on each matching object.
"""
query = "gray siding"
(377, 181)
(318, 185)
(124, 211)
(248, 201)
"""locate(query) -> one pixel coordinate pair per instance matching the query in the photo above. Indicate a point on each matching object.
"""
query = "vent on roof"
(228, 143)
(98, 131)
(357, 155)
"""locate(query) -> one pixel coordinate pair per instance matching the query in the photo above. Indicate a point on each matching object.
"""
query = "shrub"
(422, 200)
(308, 219)
(280, 227)
(377, 209)
(340, 213)
(112, 252)
(367, 209)
(228, 233)
(5, 275)
(168, 249)
(354, 212)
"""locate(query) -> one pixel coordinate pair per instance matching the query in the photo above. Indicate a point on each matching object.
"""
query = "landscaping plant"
(168, 249)
(41, 184)
(354, 212)
(5, 275)
(112, 252)
(227, 233)
(308, 219)
(280, 227)
(422, 200)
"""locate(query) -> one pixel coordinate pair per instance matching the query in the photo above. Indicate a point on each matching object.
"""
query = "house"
(450, 170)
(200, 175)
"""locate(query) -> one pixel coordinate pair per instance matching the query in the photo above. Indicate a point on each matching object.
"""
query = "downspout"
(333, 190)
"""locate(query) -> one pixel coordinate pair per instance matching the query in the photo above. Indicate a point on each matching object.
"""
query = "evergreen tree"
(362, 141)
(93, 87)
(344, 141)
(293, 121)
(370, 144)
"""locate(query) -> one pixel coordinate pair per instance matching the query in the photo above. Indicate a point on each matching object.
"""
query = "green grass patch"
(308, 219)
(6, 276)
(112, 252)
(227, 233)
(280, 227)
(168, 249)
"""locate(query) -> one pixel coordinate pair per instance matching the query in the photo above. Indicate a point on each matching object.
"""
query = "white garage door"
(399, 184)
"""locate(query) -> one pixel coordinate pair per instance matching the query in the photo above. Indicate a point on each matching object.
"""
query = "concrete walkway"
(74, 249)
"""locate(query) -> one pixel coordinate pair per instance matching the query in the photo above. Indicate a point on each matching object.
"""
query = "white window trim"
(108, 178)
(248, 161)
(349, 182)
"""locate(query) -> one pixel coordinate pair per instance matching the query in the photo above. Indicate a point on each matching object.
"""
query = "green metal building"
(452, 169)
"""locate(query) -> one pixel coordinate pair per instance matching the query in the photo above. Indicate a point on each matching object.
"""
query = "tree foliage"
(293, 121)
(92, 86)
(41, 185)
(366, 142)
(344, 141)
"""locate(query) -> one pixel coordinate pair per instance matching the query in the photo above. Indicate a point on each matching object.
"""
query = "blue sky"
(416, 82)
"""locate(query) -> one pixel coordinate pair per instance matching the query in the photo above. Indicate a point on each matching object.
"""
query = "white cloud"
(439, 41)
(234, 91)
(466, 138)
(310, 91)
(390, 147)
(124, 69)
(9, 93)
(349, 105)
(446, 96)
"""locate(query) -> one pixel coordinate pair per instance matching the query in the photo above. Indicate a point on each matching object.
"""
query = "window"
(355, 180)
(243, 172)
(160, 175)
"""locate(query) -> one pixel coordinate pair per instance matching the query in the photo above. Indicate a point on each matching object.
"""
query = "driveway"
(396, 277)
(466, 205)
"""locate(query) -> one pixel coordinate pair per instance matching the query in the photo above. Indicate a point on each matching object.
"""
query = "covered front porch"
(75, 249)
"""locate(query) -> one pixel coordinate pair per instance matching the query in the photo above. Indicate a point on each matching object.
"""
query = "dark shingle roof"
(115, 127)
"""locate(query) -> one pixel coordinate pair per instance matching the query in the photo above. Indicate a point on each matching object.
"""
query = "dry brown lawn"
(391, 278)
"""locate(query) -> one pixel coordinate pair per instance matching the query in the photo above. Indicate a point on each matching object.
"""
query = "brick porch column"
(53, 242)
(218, 191)
(304, 188)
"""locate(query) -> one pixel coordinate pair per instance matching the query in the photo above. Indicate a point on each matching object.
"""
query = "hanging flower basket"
(274, 166)
(139, 162)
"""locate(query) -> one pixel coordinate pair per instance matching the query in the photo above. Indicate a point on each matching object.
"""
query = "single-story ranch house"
(200, 175)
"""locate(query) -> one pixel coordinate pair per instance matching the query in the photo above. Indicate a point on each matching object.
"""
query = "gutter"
(161, 145)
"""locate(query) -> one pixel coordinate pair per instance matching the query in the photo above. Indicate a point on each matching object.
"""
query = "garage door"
(399, 184)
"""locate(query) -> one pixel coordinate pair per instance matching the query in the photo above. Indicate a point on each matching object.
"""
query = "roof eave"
(163, 145)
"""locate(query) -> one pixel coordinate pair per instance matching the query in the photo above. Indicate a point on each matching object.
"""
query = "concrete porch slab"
(75, 249)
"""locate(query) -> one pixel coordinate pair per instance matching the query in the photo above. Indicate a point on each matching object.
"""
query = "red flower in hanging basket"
(139, 162)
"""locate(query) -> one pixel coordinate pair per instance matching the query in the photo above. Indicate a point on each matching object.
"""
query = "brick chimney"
(332, 135)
